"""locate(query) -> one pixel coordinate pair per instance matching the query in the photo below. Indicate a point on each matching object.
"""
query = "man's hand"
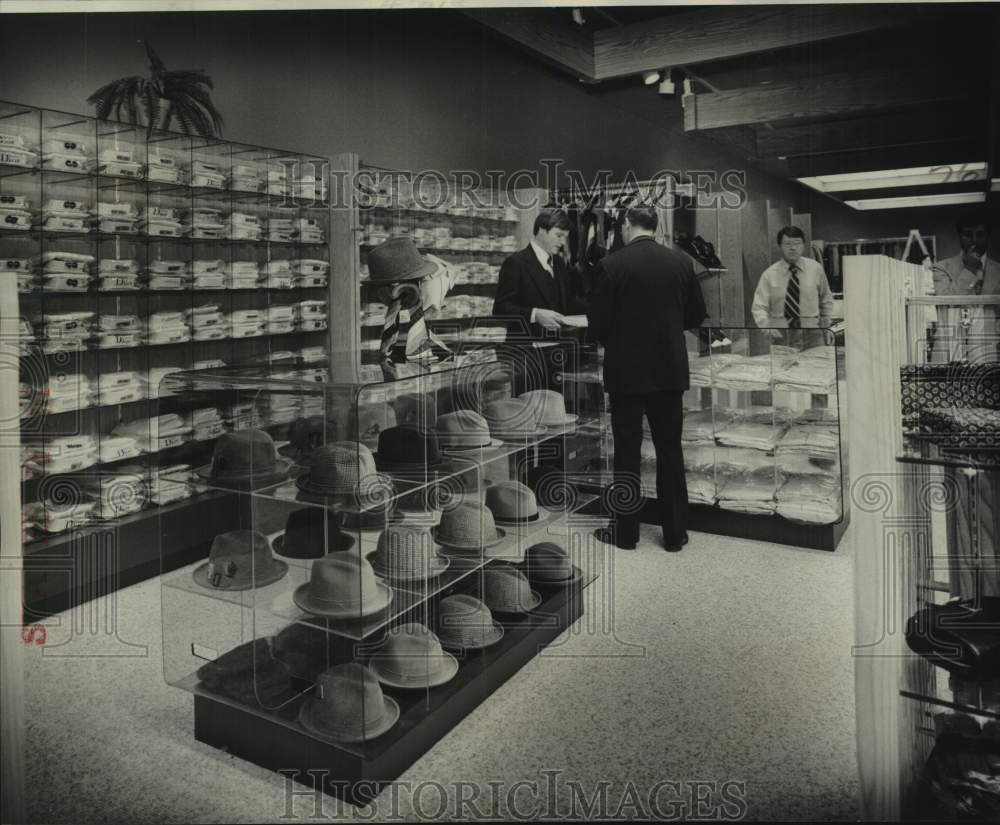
(548, 318)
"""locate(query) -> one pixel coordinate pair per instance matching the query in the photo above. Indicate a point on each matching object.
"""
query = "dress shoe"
(675, 548)
(607, 536)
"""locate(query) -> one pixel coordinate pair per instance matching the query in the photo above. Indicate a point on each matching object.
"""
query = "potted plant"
(164, 99)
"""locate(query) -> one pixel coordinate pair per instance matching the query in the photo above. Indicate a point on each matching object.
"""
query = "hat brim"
(389, 719)
(541, 517)
(345, 541)
(494, 443)
(489, 640)
(443, 562)
(451, 545)
(447, 671)
(302, 482)
(537, 581)
(304, 601)
(250, 480)
(569, 418)
(411, 471)
(201, 577)
(536, 599)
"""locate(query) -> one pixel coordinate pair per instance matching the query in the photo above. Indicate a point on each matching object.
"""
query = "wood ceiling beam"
(707, 35)
(828, 96)
(565, 45)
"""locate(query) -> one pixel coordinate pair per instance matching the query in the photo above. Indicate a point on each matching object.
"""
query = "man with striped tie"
(793, 293)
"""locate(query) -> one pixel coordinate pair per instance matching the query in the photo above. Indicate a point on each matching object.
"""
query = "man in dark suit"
(535, 292)
(646, 296)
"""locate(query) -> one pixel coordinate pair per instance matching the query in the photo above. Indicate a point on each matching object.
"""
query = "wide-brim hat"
(447, 668)
(240, 549)
(390, 715)
(398, 259)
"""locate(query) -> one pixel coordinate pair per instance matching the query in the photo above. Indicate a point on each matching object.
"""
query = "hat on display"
(410, 451)
(417, 409)
(251, 675)
(245, 459)
(304, 649)
(467, 526)
(506, 590)
(311, 533)
(411, 657)
(398, 259)
(548, 565)
(463, 621)
(407, 552)
(342, 586)
(239, 560)
(464, 430)
(512, 418)
(367, 422)
(343, 468)
(304, 436)
(513, 503)
(348, 706)
(548, 408)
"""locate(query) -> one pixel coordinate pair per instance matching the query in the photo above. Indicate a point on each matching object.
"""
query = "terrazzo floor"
(727, 663)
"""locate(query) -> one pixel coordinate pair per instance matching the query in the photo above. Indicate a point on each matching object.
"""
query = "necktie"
(548, 265)
(405, 329)
(792, 297)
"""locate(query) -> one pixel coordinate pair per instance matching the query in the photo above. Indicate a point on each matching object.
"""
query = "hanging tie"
(792, 297)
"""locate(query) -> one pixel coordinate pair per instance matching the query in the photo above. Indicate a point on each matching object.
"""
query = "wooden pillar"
(343, 296)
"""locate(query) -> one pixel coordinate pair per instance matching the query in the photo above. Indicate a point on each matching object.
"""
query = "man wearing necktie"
(793, 293)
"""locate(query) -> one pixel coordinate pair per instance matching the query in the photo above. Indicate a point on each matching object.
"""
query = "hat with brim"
(541, 517)
(389, 717)
(398, 259)
(344, 541)
(379, 481)
(543, 582)
(492, 445)
(239, 560)
(252, 481)
(438, 564)
(275, 571)
(450, 543)
(506, 590)
(447, 667)
(333, 610)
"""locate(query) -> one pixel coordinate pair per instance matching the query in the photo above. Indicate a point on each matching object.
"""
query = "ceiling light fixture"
(667, 86)
(893, 178)
(995, 185)
(578, 17)
(649, 78)
(917, 201)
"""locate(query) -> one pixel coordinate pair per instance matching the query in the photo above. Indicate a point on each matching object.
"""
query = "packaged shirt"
(118, 266)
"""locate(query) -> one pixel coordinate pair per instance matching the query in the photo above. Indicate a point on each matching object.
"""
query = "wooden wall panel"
(730, 252)
(756, 250)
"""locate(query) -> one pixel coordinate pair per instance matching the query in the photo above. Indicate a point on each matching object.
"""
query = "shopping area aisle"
(729, 662)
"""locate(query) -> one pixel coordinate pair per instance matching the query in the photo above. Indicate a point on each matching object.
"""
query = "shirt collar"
(543, 257)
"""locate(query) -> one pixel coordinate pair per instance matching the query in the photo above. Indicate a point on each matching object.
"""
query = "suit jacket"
(647, 295)
(952, 278)
(524, 285)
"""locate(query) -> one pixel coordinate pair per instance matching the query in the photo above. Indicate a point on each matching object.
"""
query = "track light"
(649, 78)
(667, 86)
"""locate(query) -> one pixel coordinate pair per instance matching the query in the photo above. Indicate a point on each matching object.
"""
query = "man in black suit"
(646, 296)
(535, 288)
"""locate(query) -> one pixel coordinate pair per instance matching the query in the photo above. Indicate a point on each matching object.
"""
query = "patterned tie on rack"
(792, 297)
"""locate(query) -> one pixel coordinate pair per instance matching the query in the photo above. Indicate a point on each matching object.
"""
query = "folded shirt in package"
(15, 220)
(244, 269)
(167, 283)
(808, 375)
(162, 213)
(161, 228)
(208, 266)
(701, 488)
(308, 266)
(65, 162)
(750, 434)
(209, 280)
(58, 518)
(251, 329)
(312, 355)
(65, 282)
(244, 233)
(120, 393)
(206, 315)
(118, 340)
(749, 494)
(316, 324)
(66, 207)
(67, 324)
(16, 265)
(118, 162)
(156, 433)
(817, 441)
(167, 335)
(118, 283)
(163, 168)
(153, 381)
(170, 483)
(118, 323)
(701, 425)
(747, 373)
(280, 327)
(67, 145)
(167, 267)
(118, 266)
(280, 312)
(310, 281)
(116, 448)
(240, 281)
(19, 202)
(309, 309)
(65, 223)
(207, 174)
(16, 155)
(117, 210)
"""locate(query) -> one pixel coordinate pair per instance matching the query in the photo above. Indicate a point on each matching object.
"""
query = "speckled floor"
(727, 663)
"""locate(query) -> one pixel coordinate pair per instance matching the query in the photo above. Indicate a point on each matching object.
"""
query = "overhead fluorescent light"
(915, 201)
(893, 178)
(995, 185)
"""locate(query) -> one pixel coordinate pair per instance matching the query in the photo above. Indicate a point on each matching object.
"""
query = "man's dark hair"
(790, 232)
(643, 216)
(970, 219)
(552, 219)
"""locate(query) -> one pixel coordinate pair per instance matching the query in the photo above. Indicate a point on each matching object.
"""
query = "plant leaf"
(155, 64)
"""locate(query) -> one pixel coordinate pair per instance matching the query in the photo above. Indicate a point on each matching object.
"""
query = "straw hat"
(512, 419)
(463, 621)
(348, 706)
(506, 590)
(239, 560)
(411, 657)
(342, 586)
(465, 430)
(407, 552)
(468, 526)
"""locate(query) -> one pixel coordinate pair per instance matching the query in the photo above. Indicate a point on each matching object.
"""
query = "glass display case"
(762, 434)
(385, 556)
(137, 254)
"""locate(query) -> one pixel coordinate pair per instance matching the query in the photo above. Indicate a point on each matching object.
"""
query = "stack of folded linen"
(246, 323)
(118, 331)
(63, 454)
(23, 269)
(170, 483)
(207, 322)
(703, 368)
(117, 274)
(747, 373)
(117, 162)
(278, 275)
(117, 217)
(163, 167)
(66, 155)
(208, 274)
(117, 494)
(157, 433)
(161, 222)
(14, 151)
(701, 488)
(734, 461)
(120, 388)
(50, 517)
(280, 319)
(207, 423)
(66, 330)
(118, 447)
(277, 180)
(66, 271)
(208, 174)
(241, 275)
(242, 226)
(308, 230)
(813, 370)
(167, 274)
(152, 381)
(819, 440)
(66, 215)
(757, 431)
(310, 316)
(700, 458)
(242, 416)
(168, 327)
(206, 223)
(700, 426)
(280, 230)
(15, 212)
(748, 494)
(246, 177)
(810, 499)
(72, 391)
(309, 272)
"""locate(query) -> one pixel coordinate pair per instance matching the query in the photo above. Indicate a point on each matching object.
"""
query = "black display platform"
(358, 775)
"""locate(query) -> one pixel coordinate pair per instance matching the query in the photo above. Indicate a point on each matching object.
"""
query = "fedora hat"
(467, 526)
(548, 565)
(548, 408)
(342, 586)
(311, 533)
(348, 706)
(464, 430)
(251, 675)
(512, 418)
(514, 504)
(344, 468)
(407, 552)
(398, 259)
(304, 436)
(408, 450)
(411, 657)
(463, 621)
(506, 590)
(245, 459)
(239, 560)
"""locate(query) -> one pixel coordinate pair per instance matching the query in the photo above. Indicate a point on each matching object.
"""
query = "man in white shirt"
(793, 293)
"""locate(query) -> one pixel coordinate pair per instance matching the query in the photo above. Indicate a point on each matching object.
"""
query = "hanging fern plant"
(166, 99)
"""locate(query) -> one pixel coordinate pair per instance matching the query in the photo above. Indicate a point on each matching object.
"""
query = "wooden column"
(344, 297)
(11, 664)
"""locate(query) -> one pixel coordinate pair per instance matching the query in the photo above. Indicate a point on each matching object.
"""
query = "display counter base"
(357, 776)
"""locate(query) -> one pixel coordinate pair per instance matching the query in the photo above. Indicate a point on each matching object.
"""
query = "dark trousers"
(664, 411)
